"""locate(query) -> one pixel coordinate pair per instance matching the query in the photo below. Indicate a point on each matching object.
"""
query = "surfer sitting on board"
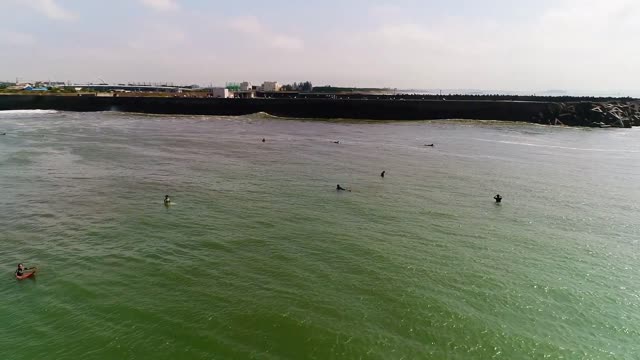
(498, 198)
(21, 274)
(167, 201)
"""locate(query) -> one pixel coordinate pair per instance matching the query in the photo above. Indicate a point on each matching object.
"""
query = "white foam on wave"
(556, 146)
(26, 112)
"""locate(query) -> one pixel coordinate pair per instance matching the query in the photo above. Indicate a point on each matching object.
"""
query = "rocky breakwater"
(623, 114)
(602, 112)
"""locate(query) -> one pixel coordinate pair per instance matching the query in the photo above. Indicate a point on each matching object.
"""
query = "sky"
(516, 45)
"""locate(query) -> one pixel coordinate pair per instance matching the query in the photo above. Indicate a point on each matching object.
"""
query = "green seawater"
(260, 258)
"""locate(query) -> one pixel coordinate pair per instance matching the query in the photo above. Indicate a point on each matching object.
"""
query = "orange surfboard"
(25, 275)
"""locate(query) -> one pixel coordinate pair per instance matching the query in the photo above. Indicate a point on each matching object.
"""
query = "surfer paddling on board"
(21, 272)
(340, 188)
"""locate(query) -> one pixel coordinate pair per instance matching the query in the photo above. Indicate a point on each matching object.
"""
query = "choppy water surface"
(261, 258)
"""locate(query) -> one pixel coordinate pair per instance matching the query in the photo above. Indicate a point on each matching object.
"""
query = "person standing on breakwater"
(498, 198)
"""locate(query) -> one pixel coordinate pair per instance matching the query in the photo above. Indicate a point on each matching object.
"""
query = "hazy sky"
(490, 44)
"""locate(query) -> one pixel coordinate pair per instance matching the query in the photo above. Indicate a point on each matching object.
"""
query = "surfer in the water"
(167, 201)
(498, 198)
(382, 173)
(20, 272)
(264, 140)
(340, 188)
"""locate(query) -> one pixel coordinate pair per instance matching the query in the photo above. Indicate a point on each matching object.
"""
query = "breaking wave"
(26, 112)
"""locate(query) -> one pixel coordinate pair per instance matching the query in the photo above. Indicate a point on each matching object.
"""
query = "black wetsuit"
(20, 272)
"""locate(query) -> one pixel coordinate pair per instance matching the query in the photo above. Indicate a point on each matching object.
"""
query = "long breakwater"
(587, 113)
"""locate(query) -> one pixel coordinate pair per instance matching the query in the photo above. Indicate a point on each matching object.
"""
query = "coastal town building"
(245, 86)
(27, 87)
(250, 94)
(222, 93)
(36, 88)
(20, 86)
(271, 86)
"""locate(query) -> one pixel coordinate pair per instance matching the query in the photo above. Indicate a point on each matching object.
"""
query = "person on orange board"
(22, 273)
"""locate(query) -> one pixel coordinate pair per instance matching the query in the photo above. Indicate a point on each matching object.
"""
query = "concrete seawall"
(528, 111)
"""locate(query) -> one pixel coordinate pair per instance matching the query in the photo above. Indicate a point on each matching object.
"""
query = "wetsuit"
(20, 272)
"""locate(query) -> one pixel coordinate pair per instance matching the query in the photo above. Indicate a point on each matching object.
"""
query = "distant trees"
(303, 87)
(306, 86)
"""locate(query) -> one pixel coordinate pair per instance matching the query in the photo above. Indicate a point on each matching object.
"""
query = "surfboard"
(26, 276)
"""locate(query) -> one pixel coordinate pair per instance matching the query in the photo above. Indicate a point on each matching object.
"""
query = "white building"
(220, 93)
(271, 86)
(245, 86)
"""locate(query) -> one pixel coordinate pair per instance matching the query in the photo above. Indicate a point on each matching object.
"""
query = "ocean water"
(260, 258)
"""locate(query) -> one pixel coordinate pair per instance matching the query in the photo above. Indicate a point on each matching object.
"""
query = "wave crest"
(26, 112)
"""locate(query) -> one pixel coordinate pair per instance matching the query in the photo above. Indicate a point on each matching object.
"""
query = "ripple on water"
(260, 257)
